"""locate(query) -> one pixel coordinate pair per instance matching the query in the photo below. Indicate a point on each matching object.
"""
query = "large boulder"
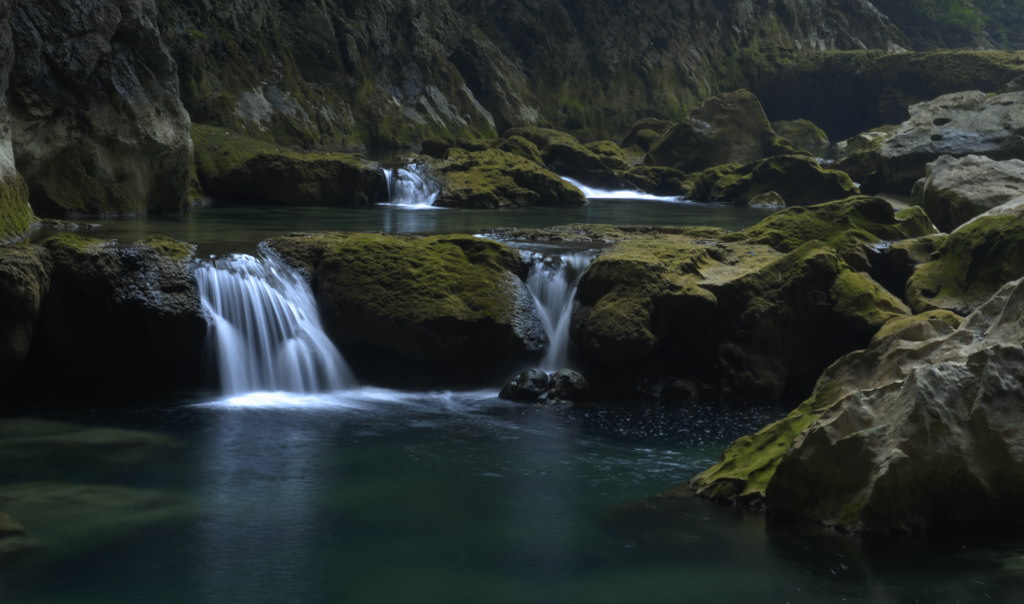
(236, 169)
(425, 310)
(971, 264)
(804, 134)
(98, 125)
(730, 128)
(117, 319)
(954, 190)
(914, 433)
(798, 180)
(742, 321)
(594, 164)
(492, 178)
(957, 124)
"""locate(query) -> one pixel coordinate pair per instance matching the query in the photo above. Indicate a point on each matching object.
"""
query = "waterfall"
(266, 329)
(411, 186)
(553, 281)
(630, 194)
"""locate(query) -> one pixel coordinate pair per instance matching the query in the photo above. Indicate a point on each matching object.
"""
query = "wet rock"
(954, 190)
(117, 319)
(911, 434)
(568, 385)
(527, 387)
(425, 310)
(237, 169)
(730, 128)
(594, 164)
(493, 178)
(799, 180)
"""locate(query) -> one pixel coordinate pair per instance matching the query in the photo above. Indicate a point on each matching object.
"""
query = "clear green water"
(380, 496)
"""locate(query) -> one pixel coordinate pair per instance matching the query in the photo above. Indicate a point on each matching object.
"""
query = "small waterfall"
(411, 186)
(553, 281)
(266, 329)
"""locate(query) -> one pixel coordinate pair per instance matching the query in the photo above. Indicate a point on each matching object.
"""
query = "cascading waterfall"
(266, 328)
(553, 281)
(412, 186)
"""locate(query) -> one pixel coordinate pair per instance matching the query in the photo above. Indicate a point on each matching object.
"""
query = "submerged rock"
(914, 433)
(237, 169)
(536, 386)
(730, 128)
(526, 387)
(419, 309)
(954, 190)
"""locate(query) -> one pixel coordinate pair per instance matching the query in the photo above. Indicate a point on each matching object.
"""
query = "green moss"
(171, 248)
(970, 265)
(520, 146)
(861, 298)
(913, 327)
(803, 134)
(799, 180)
(16, 215)
(494, 178)
(843, 224)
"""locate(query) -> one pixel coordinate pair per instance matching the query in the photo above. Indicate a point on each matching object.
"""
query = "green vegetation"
(957, 23)
(15, 214)
(494, 178)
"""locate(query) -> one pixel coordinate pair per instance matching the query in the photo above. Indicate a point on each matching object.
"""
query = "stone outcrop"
(805, 135)
(24, 281)
(797, 180)
(97, 121)
(955, 190)
(493, 178)
(730, 128)
(436, 310)
(238, 169)
(917, 432)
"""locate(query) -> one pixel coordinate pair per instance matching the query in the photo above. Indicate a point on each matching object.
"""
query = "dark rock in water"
(527, 387)
(730, 128)
(98, 124)
(237, 169)
(954, 190)
(419, 310)
(914, 433)
(799, 180)
(24, 281)
(117, 319)
(569, 385)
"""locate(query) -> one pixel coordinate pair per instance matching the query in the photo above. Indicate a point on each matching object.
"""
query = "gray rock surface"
(955, 190)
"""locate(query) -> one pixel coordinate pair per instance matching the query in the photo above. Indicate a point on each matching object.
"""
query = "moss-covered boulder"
(729, 128)
(970, 265)
(954, 190)
(739, 320)
(914, 433)
(493, 178)
(804, 134)
(645, 132)
(236, 169)
(24, 281)
(799, 180)
(593, 164)
(118, 319)
(860, 156)
(419, 310)
(16, 215)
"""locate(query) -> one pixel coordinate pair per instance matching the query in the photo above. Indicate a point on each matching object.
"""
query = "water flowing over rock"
(412, 185)
(552, 282)
(266, 328)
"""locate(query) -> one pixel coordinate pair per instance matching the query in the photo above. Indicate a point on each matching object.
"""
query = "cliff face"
(101, 91)
(378, 73)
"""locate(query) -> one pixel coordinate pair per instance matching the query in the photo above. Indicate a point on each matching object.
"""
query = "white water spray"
(266, 329)
(594, 193)
(553, 281)
(411, 186)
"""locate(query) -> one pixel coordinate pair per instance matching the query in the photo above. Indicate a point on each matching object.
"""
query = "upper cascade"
(412, 185)
(265, 328)
(553, 281)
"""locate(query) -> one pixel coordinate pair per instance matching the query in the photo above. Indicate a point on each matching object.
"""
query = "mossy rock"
(804, 134)
(24, 281)
(133, 308)
(441, 308)
(16, 216)
(730, 128)
(749, 322)
(493, 178)
(799, 180)
(565, 155)
(236, 169)
(846, 225)
(518, 145)
(656, 180)
(644, 132)
(970, 265)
